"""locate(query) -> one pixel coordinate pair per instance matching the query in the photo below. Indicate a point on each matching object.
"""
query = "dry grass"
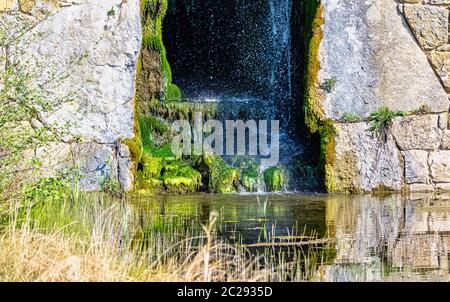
(97, 241)
(30, 256)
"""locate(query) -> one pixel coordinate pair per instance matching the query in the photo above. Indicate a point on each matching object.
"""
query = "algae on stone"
(274, 179)
(222, 177)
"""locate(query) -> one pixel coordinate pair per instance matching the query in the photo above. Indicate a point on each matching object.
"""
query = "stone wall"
(96, 44)
(395, 54)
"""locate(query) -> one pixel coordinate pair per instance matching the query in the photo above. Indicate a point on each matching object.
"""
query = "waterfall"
(280, 23)
(239, 53)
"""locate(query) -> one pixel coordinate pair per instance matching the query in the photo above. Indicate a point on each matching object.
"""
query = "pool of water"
(394, 238)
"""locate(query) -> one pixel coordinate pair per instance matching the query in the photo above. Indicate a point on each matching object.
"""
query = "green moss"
(149, 185)
(173, 93)
(150, 124)
(151, 166)
(274, 179)
(136, 148)
(152, 42)
(250, 171)
(222, 177)
(314, 112)
(250, 180)
(165, 67)
(313, 96)
(180, 177)
(153, 12)
(145, 133)
(176, 110)
(327, 134)
(161, 173)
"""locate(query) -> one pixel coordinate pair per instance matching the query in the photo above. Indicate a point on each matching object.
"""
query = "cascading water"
(238, 53)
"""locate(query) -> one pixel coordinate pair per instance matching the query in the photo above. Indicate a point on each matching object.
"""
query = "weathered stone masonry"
(103, 82)
(393, 53)
(396, 54)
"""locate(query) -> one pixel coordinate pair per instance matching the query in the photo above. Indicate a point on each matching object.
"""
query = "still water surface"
(393, 238)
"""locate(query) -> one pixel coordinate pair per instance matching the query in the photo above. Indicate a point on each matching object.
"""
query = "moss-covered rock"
(250, 180)
(250, 176)
(159, 170)
(173, 93)
(222, 177)
(274, 179)
(180, 177)
(171, 110)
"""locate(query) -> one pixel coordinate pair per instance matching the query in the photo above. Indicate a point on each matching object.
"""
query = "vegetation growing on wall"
(155, 116)
(157, 168)
(313, 107)
(153, 13)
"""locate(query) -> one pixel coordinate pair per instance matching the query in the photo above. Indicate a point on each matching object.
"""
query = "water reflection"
(391, 238)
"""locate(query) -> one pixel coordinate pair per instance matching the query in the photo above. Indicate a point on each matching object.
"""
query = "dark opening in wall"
(252, 56)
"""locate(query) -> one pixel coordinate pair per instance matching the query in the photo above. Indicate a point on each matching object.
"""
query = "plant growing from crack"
(329, 84)
(111, 12)
(350, 117)
(382, 119)
(424, 109)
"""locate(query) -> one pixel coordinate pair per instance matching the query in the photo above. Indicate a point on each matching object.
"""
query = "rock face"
(373, 53)
(390, 54)
(375, 60)
(96, 44)
(366, 161)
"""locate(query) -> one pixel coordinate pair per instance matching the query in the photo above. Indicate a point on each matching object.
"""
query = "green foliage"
(111, 12)
(382, 118)
(24, 103)
(173, 93)
(110, 184)
(350, 117)
(46, 187)
(108, 181)
(328, 84)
